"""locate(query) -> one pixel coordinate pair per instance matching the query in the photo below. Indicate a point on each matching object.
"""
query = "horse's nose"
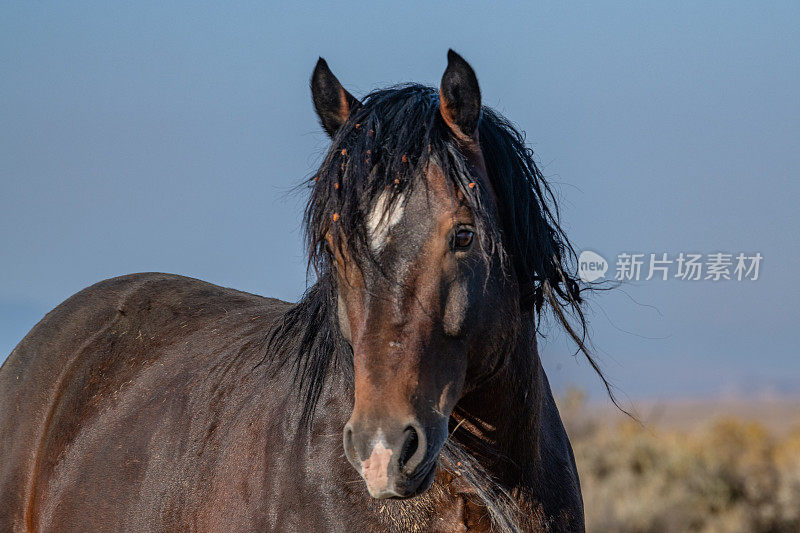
(390, 458)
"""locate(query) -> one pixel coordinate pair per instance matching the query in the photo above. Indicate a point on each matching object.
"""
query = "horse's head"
(405, 219)
(423, 298)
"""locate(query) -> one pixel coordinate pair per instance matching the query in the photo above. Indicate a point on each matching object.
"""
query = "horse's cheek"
(455, 309)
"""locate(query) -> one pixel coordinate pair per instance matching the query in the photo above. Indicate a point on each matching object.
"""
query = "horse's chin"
(426, 484)
(423, 483)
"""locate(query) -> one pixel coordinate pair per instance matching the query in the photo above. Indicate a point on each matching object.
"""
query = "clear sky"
(166, 136)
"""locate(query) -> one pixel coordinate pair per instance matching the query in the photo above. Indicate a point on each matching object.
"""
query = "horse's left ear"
(332, 102)
(460, 97)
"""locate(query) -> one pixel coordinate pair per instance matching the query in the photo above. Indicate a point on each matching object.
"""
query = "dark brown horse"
(402, 393)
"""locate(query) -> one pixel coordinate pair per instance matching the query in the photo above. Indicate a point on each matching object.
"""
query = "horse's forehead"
(434, 198)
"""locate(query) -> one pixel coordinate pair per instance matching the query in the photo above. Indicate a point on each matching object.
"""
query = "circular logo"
(591, 266)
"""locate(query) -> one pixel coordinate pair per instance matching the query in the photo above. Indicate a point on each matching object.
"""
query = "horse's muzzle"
(396, 460)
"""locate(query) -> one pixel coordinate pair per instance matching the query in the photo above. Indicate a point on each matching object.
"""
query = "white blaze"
(382, 217)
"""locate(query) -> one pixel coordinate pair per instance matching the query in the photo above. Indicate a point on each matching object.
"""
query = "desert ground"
(705, 465)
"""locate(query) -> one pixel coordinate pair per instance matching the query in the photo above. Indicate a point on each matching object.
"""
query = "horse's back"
(143, 332)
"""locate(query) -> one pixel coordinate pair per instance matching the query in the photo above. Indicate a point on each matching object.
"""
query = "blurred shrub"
(730, 476)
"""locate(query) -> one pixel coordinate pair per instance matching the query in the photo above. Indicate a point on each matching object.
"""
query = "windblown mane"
(385, 146)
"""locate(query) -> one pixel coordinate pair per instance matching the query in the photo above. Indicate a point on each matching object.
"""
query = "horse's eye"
(462, 239)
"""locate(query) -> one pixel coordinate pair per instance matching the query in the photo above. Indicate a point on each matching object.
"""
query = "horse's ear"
(460, 97)
(332, 102)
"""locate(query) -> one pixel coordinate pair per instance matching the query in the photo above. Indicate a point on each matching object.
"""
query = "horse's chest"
(458, 514)
(448, 507)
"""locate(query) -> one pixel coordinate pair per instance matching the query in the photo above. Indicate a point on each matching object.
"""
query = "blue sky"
(155, 136)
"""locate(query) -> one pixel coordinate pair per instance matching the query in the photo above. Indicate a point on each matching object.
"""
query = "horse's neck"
(503, 416)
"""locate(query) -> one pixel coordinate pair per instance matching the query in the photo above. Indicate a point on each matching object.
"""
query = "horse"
(403, 392)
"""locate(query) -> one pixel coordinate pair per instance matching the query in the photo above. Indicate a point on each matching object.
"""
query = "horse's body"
(154, 402)
(134, 406)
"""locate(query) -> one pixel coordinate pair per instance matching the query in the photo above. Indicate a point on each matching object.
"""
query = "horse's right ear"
(460, 98)
(332, 102)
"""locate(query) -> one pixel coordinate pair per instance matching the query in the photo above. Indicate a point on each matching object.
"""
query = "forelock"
(376, 160)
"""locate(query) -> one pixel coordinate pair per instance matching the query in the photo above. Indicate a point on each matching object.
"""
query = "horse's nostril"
(413, 450)
(410, 443)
